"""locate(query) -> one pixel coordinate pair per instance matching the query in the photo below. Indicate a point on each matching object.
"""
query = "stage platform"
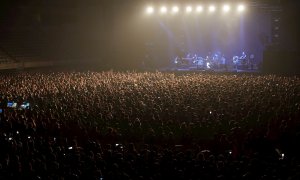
(205, 70)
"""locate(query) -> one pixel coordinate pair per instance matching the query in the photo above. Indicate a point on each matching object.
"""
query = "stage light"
(175, 9)
(212, 8)
(150, 10)
(199, 9)
(241, 8)
(189, 9)
(226, 8)
(163, 9)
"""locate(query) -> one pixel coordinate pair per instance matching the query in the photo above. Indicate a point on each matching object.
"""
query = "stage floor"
(217, 70)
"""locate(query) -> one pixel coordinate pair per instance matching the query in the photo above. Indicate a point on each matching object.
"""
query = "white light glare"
(163, 9)
(212, 8)
(189, 9)
(241, 8)
(150, 10)
(226, 8)
(199, 9)
(175, 9)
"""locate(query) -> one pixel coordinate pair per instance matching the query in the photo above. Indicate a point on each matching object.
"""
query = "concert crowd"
(152, 125)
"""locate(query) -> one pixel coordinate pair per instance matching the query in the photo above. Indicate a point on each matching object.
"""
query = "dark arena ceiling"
(81, 26)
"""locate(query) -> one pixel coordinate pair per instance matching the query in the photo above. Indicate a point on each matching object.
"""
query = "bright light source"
(199, 8)
(212, 8)
(241, 8)
(175, 9)
(150, 10)
(189, 9)
(226, 8)
(163, 9)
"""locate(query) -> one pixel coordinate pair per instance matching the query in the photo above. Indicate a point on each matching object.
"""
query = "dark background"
(107, 33)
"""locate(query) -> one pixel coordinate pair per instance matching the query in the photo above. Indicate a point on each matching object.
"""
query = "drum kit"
(240, 61)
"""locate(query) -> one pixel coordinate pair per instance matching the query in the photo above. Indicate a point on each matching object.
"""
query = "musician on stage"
(251, 61)
(244, 56)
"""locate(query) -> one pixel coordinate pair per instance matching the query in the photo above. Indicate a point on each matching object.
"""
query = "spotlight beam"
(241, 8)
(163, 9)
(212, 8)
(199, 9)
(189, 9)
(150, 10)
(175, 9)
(226, 8)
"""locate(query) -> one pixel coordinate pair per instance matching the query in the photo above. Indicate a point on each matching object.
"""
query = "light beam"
(241, 8)
(150, 10)
(175, 9)
(163, 9)
(189, 9)
(199, 9)
(212, 8)
(226, 8)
